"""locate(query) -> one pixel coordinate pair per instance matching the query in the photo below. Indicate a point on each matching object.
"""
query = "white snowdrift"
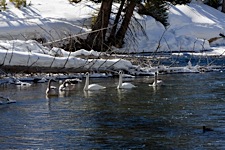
(31, 53)
(191, 26)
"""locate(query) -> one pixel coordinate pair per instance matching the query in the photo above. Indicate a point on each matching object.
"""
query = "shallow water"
(167, 117)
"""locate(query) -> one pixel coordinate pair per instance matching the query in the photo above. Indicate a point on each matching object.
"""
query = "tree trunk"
(223, 6)
(96, 39)
(124, 26)
(111, 38)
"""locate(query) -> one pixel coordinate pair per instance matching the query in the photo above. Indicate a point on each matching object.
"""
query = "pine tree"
(223, 6)
(120, 35)
(214, 3)
(158, 10)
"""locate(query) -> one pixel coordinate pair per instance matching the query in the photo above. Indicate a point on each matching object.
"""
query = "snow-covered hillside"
(191, 26)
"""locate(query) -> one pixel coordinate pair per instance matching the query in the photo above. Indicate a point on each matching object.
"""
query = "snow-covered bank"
(191, 26)
(31, 53)
(31, 56)
(44, 19)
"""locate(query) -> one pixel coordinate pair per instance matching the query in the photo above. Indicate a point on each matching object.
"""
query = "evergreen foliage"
(3, 4)
(157, 9)
(19, 3)
(214, 3)
(74, 1)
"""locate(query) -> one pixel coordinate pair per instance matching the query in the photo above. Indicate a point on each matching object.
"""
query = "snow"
(198, 20)
(191, 26)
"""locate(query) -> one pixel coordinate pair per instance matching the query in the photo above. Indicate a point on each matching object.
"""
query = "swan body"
(124, 85)
(69, 84)
(66, 87)
(157, 82)
(51, 90)
(88, 86)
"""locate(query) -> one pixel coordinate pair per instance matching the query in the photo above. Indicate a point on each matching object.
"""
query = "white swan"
(91, 86)
(69, 84)
(157, 82)
(125, 85)
(51, 90)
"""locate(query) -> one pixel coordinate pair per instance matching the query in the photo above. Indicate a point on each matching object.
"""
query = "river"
(167, 117)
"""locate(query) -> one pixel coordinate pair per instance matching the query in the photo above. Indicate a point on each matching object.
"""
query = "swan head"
(51, 90)
(65, 84)
(156, 73)
(52, 80)
(120, 74)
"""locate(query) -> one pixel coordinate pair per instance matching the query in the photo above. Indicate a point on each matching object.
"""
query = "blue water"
(168, 117)
(182, 59)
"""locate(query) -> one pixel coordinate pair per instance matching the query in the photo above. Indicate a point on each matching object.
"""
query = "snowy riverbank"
(191, 28)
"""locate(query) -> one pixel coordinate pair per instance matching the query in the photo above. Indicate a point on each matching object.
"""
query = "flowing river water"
(167, 117)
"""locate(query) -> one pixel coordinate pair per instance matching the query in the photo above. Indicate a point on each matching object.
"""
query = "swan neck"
(120, 81)
(64, 84)
(49, 84)
(156, 78)
(86, 82)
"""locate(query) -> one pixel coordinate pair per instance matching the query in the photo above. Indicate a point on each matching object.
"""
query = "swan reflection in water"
(88, 94)
(6, 100)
